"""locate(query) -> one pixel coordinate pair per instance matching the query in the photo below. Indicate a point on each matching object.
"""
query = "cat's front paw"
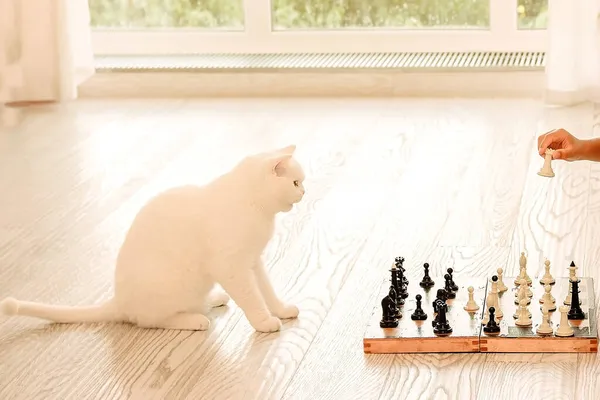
(286, 311)
(271, 324)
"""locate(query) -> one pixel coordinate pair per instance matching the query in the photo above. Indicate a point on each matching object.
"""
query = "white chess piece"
(564, 329)
(501, 286)
(522, 266)
(471, 304)
(547, 278)
(547, 167)
(522, 270)
(492, 300)
(545, 328)
(524, 318)
(547, 299)
(499, 314)
(523, 292)
(522, 295)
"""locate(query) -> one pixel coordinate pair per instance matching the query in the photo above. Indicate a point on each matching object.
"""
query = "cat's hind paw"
(286, 311)
(271, 324)
(218, 299)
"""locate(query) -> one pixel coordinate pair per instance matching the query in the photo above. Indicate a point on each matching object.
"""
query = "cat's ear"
(276, 164)
(287, 150)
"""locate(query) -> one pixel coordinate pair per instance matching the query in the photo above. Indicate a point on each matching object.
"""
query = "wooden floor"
(449, 182)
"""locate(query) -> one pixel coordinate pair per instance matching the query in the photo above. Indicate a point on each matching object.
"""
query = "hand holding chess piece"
(547, 167)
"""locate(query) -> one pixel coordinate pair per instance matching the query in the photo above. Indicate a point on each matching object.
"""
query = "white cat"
(187, 239)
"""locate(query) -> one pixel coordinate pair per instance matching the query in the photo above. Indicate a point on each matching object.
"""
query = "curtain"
(45, 50)
(573, 52)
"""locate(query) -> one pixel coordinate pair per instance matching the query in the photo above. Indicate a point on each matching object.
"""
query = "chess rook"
(564, 329)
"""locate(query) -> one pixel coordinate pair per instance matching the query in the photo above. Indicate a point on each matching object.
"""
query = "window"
(316, 26)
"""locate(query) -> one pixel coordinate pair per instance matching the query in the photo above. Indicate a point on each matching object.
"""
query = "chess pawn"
(547, 299)
(524, 314)
(547, 167)
(471, 305)
(418, 314)
(452, 283)
(547, 278)
(564, 329)
(545, 328)
(501, 286)
(491, 326)
(426, 282)
(448, 287)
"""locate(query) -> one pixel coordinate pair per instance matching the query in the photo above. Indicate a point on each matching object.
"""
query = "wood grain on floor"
(448, 182)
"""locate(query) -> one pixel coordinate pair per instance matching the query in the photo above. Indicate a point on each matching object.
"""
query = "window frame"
(257, 37)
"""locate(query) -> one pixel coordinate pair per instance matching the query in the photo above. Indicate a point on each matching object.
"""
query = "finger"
(558, 155)
(548, 140)
(543, 136)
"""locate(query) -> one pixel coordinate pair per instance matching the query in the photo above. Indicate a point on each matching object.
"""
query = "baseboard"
(316, 83)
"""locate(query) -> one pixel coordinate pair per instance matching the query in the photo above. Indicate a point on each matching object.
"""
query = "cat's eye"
(296, 183)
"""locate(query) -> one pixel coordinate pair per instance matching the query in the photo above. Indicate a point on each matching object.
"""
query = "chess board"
(516, 339)
(468, 336)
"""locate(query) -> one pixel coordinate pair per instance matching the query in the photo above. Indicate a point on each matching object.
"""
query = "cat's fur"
(187, 239)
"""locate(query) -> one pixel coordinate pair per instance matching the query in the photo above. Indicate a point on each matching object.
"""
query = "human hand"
(566, 146)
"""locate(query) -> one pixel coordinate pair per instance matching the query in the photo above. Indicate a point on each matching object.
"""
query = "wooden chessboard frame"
(468, 336)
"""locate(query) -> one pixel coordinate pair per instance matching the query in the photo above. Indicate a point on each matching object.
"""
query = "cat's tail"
(104, 312)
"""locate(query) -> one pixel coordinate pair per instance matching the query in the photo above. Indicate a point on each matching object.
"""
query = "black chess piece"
(395, 282)
(492, 326)
(448, 287)
(426, 282)
(403, 292)
(575, 312)
(400, 264)
(418, 314)
(388, 319)
(440, 295)
(441, 326)
(572, 265)
(394, 296)
(453, 285)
